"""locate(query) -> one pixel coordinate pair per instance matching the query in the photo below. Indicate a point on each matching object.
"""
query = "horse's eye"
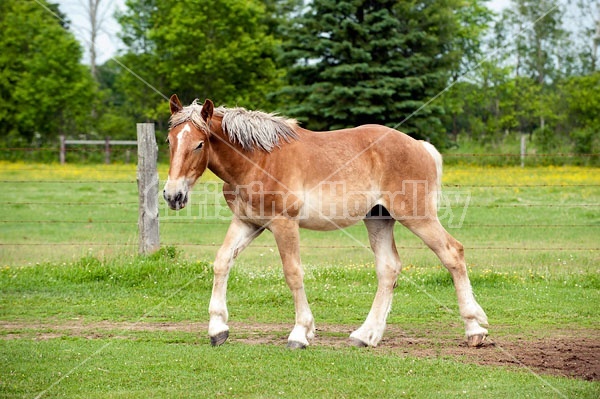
(168, 142)
(199, 146)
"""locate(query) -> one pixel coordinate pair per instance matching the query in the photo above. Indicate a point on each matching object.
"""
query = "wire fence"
(13, 220)
(215, 245)
(83, 153)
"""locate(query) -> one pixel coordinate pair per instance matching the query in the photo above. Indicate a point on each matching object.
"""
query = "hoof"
(476, 340)
(358, 343)
(220, 338)
(295, 345)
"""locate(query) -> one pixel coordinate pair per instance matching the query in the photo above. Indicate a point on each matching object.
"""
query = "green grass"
(72, 211)
(166, 288)
(194, 370)
(506, 150)
(126, 288)
(533, 276)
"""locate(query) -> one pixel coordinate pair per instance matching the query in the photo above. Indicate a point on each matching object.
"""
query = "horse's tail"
(437, 157)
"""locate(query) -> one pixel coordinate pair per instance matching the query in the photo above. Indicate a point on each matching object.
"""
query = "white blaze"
(182, 132)
(179, 152)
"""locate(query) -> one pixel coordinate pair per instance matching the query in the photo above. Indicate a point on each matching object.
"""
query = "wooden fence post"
(523, 149)
(147, 179)
(107, 150)
(63, 149)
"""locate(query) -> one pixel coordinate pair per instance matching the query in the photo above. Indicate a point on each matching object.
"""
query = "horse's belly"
(326, 224)
(324, 212)
(323, 208)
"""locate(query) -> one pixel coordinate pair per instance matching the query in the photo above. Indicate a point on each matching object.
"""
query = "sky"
(108, 43)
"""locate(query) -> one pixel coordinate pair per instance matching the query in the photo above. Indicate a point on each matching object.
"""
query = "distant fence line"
(107, 149)
(107, 143)
(446, 154)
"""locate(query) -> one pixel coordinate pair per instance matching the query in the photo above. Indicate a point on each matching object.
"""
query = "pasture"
(83, 316)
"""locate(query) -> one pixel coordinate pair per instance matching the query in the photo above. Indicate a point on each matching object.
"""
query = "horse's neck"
(227, 160)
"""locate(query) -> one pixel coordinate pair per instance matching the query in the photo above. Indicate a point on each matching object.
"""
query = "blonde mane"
(191, 113)
(250, 129)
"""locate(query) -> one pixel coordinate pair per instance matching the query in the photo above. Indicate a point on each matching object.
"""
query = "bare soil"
(559, 352)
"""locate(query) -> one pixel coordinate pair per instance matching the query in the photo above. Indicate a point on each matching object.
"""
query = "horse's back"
(379, 151)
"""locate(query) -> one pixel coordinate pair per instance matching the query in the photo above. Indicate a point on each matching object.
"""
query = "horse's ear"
(207, 110)
(175, 104)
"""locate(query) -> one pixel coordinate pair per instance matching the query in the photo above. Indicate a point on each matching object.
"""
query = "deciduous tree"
(221, 49)
(44, 89)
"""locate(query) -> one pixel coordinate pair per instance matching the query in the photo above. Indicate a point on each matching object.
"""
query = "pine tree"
(357, 62)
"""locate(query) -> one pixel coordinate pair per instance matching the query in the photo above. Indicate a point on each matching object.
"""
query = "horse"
(281, 177)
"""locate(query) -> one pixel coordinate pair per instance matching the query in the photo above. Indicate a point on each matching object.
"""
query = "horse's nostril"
(178, 197)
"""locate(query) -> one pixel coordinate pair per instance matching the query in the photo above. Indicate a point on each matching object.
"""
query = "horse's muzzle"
(176, 201)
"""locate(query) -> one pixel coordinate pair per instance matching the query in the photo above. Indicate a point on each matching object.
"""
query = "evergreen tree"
(357, 62)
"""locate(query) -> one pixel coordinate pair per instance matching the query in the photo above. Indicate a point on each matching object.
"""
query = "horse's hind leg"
(387, 264)
(451, 253)
(239, 235)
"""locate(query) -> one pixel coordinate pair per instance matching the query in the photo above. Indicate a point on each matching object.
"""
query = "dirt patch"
(578, 357)
(559, 353)
(563, 353)
(575, 355)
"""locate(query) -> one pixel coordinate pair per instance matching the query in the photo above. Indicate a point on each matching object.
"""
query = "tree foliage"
(223, 50)
(357, 62)
(440, 70)
(44, 89)
(528, 84)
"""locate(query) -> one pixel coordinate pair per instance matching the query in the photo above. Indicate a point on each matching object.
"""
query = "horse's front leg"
(287, 236)
(239, 235)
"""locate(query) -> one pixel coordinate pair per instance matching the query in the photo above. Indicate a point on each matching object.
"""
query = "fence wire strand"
(302, 246)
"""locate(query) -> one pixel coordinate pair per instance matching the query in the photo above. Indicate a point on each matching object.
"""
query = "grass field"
(83, 316)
